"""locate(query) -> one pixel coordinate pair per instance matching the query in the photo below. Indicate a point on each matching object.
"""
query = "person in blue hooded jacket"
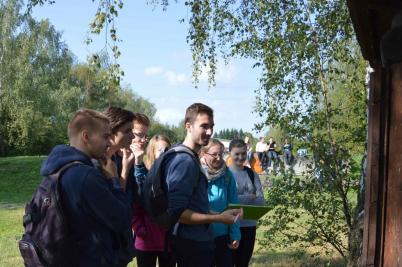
(94, 200)
(222, 191)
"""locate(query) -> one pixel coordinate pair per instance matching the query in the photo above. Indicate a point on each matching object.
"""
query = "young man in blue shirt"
(193, 240)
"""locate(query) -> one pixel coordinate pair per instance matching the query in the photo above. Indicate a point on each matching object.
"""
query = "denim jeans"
(288, 156)
(272, 154)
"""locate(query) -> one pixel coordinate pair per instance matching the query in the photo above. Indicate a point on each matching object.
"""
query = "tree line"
(230, 134)
(42, 84)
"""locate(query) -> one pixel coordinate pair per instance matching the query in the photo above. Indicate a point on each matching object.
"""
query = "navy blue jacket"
(188, 189)
(97, 209)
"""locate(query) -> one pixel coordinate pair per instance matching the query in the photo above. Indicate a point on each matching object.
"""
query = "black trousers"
(223, 254)
(242, 256)
(191, 253)
(148, 259)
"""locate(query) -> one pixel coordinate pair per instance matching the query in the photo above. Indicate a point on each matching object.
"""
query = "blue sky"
(157, 60)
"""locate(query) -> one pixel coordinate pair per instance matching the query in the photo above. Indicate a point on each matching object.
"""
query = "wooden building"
(378, 27)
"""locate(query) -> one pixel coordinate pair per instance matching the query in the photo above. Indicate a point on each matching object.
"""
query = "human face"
(200, 131)
(160, 147)
(214, 157)
(98, 141)
(140, 132)
(122, 138)
(239, 155)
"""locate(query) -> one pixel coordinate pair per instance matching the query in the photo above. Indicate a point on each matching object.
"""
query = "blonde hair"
(212, 142)
(85, 119)
(151, 155)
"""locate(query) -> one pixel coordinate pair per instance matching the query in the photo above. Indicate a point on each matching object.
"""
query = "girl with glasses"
(221, 191)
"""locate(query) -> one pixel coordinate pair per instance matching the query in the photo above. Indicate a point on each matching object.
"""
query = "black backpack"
(250, 174)
(153, 190)
(47, 240)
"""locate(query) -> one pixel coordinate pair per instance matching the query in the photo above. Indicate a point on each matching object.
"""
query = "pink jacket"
(149, 236)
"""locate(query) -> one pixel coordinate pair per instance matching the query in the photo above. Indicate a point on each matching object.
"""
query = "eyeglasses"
(141, 136)
(219, 155)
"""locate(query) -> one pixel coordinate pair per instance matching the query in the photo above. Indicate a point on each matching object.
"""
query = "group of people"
(268, 155)
(104, 209)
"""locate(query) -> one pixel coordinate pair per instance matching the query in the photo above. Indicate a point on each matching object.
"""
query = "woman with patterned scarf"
(221, 191)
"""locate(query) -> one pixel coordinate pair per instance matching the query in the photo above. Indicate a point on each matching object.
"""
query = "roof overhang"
(371, 20)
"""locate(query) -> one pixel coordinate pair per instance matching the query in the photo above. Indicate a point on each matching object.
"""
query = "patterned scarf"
(214, 174)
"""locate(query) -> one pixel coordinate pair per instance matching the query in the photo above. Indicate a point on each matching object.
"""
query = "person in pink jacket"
(150, 238)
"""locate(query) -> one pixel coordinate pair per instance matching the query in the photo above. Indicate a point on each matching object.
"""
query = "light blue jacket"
(222, 191)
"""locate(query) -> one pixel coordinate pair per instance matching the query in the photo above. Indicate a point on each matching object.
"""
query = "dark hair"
(142, 119)
(195, 109)
(118, 117)
(237, 143)
(85, 119)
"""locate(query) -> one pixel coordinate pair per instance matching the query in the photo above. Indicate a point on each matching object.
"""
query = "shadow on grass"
(293, 259)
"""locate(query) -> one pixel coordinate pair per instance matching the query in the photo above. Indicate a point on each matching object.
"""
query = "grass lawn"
(19, 177)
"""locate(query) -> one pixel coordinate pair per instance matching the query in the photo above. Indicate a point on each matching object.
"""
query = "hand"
(127, 162)
(230, 216)
(138, 152)
(202, 160)
(234, 244)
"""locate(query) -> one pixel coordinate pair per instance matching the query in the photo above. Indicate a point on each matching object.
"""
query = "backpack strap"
(32, 217)
(58, 174)
(227, 181)
(174, 150)
(184, 149)
(227, 178)
(250, 174)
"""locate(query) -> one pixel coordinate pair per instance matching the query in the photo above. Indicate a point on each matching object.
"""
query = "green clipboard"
(250, 212)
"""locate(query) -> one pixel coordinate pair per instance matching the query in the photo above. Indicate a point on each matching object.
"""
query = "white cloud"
(175, 78)
(224, 73)
(172, 77)
(227, 73)
(154, 71)
(169, 115)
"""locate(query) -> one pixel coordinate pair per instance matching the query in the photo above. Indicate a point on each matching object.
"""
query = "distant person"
(261, 149)
(249, 150)
(221, 192)
(150, 241)
(287, 152)
(94, 199)
(250, 192)
(193, 241)
(271, 150)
